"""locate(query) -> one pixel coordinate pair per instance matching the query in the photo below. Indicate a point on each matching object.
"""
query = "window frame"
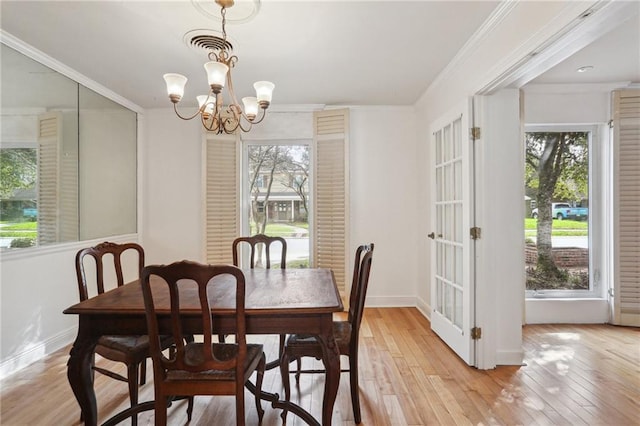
(245, 205)
(599, 193)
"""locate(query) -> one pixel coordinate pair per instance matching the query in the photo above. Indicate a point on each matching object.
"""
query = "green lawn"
(573, 228)
(282, 229)
(18, 229)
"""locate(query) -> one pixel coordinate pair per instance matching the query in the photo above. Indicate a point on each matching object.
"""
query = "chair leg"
(190, 408)
(240, 420)
(355, 392)
(299, 366)
(160, 410)
(259, 378)
(143, 372)
(284, 372)
(132, 378)
(283, 338)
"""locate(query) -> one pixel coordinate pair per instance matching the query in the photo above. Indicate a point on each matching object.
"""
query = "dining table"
(277, 301)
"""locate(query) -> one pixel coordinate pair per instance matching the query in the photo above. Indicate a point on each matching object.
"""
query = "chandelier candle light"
(214, 115)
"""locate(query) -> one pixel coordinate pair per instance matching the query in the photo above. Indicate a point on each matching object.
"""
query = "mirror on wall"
(68, 158)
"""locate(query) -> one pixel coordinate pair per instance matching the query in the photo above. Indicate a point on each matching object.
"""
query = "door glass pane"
(438, 294)
(458, 276)
(438, 147)
(449, 259)
(457, 314)
(457, 194)
(277, 182)
(446, 143)
(457, 138)
(557, 211)
(448, 302)
(439, 183)
(458, 223)
(439, 260)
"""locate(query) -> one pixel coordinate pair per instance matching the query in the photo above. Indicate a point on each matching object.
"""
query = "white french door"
(451, 260)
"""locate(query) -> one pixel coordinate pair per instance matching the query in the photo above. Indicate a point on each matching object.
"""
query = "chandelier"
(215, 116)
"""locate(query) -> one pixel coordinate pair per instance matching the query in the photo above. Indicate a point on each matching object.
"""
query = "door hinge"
(610, 123)
(474, 133)
(475, 233)
(476, 333)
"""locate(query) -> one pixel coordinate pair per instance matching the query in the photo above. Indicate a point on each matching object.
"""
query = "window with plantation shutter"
(222, 197)
(331, 198)
(49, 139)
(626, 207)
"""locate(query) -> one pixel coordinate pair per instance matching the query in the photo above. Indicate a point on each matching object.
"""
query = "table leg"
(331, 360)
(80, 375)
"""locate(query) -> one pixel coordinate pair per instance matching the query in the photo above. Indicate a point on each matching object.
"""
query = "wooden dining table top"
(267, 291)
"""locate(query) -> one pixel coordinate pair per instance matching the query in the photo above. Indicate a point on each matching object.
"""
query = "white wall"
(34, 292)
(171, 164)
(36, 285)
(385, 187)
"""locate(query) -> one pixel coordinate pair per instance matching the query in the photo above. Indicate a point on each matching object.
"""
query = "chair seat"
(222, 352)
(125, 343)
(309, 345)
(132, 343)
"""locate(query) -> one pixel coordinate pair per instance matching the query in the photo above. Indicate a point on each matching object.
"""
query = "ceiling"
(316, 52)
(615, 57)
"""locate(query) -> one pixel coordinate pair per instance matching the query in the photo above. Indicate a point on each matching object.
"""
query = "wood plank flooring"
(573, 375)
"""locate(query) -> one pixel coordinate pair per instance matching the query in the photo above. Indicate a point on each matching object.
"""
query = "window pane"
(18, 206)
(277, 182)
(557, 208)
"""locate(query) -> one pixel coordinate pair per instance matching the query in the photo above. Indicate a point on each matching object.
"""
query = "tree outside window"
(18, 207)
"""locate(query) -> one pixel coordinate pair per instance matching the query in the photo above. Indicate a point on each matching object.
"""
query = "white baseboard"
(390, 302)
(36, 352)
(509, 357)
(424, 308)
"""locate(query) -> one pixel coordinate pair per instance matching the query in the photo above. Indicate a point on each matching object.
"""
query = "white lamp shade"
(216, 73)
(264, 90)
(175, 84)
(202, 99)
(250, 106)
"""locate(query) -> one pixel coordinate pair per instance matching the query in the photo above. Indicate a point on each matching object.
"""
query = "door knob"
(431, 235)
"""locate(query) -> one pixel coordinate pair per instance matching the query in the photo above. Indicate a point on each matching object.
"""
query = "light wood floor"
(573, 375)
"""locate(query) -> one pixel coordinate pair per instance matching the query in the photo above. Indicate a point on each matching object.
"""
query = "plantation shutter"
(68, 201)
(222, 197)
(626, 139)
(49, 141)
(331, 198)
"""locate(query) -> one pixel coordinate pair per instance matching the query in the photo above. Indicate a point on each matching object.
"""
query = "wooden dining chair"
(345, 332)
(199, 368)
(133, 351)
(255, 242)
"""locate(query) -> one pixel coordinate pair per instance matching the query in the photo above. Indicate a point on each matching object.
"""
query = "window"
(18, 199)
(274, 203)
(563, 189)
(298, 189)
